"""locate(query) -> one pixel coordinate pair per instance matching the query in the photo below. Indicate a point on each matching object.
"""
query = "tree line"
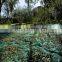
(51, 12)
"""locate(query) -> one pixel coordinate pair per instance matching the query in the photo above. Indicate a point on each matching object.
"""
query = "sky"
(22, 4)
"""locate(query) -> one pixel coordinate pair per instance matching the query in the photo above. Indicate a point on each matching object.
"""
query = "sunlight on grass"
(25, 26)
(5, 26)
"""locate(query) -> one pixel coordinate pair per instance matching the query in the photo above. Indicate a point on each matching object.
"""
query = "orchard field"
(30, 30)
(30, 45)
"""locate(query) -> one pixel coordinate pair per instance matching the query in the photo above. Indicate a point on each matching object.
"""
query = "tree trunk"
(0, 8)
(10, 14)
(0, 11)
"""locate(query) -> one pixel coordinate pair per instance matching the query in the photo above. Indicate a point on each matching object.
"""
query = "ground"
(16, 47)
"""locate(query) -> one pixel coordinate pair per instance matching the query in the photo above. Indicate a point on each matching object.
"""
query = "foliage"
(43, 45)
(50, 13)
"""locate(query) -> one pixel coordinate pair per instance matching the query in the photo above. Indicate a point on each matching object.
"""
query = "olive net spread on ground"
(30, 47)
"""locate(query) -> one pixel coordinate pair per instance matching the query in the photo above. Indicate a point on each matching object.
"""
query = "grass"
(4, 26)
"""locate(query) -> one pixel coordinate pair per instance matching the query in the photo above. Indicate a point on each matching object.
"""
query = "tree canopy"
(51, 12)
